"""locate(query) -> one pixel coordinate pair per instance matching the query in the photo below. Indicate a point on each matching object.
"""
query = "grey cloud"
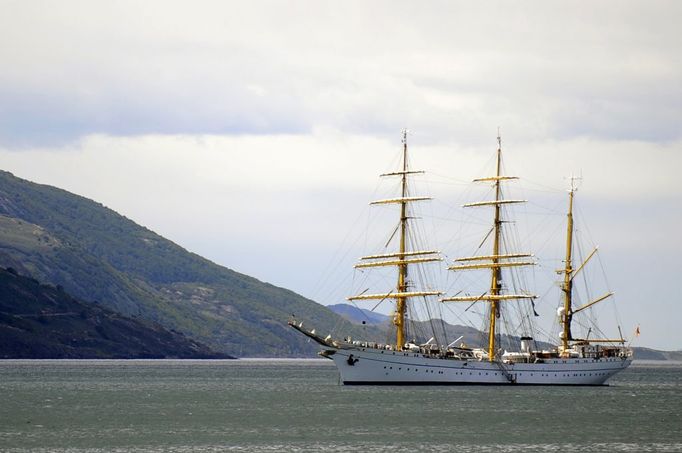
(56, 118)
(610, 70)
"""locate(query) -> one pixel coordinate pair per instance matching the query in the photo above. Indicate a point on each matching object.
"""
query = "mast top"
(575, 180)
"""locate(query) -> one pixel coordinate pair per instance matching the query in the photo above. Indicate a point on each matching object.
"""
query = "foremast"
(403, 258)
(497, 260)
(400, 309)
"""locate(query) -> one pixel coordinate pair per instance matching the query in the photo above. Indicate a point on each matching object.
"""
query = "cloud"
(251, 188)
(80, 68)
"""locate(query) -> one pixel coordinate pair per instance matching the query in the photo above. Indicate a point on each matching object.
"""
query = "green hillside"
(98, 255)
(42, 321)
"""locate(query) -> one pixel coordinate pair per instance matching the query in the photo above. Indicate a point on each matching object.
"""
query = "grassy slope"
(41, 321)
(97, 254)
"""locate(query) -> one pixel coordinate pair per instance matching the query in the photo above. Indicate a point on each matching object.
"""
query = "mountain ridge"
(98, 255)
(358, 315)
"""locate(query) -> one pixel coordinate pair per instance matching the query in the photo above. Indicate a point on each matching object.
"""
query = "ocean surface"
(298, 405)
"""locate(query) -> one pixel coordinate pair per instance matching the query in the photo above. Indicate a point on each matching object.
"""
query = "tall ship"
(501, 358)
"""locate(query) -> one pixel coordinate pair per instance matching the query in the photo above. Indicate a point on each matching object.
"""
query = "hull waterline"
(372, 366)
(358, 366)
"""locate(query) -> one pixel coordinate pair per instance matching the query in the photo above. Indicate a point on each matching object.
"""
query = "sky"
(252, 133)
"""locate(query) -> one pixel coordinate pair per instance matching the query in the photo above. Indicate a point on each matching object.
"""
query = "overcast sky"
(252, 132)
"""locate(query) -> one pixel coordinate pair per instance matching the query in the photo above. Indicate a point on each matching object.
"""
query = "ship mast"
(567, 311)
(495, 270)
(497, 260)
(567, 286)
(399, 320)
(400, 259)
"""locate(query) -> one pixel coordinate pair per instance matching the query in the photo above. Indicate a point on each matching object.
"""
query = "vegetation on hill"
(42, 321)
(98, 255)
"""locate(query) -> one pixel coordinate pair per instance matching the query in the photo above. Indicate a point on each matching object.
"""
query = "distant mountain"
(358, 315)
(654, 354)
(421, 331)
(41, 321)
(96, 254)
(471, 337)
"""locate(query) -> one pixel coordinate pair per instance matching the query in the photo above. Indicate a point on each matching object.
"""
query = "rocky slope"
(44, 322)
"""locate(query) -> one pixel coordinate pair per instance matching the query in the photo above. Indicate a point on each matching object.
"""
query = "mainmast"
(497, 260)
(567, 286)
(400, 259)
(495, 270)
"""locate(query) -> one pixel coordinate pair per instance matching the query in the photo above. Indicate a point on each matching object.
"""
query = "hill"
(358, 315)
(96, 254)
(654, 354)
(42, 321)
(422, 330)
(470, 336)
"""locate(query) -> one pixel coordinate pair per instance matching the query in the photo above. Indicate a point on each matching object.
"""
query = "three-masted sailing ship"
(574, 361)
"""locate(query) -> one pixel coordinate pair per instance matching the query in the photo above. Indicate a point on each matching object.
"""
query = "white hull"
(374, 366)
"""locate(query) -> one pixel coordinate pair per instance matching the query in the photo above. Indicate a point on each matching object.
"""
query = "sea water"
(298, 405)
